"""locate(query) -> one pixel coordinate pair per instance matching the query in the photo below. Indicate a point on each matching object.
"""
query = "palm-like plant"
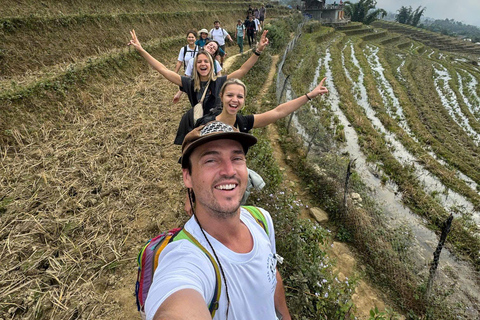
(363, 11)
(408, 16)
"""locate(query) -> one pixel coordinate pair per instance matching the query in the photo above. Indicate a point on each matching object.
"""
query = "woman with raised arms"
(233, 94)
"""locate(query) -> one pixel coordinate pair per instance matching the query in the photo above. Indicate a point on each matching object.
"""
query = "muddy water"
(448, 198)
(466, 290)
(450, 103)
(390, 101)
(471, 99)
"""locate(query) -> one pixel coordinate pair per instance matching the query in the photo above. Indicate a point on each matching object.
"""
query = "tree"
(417, 15)
(408, 16)
(403, 14)
(363, 11)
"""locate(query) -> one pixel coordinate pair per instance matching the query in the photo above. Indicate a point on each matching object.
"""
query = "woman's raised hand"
(319, 90)
(134, 42)
(263, 41)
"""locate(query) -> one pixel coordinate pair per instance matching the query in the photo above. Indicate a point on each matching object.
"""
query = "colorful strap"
(184, 234)
(213, 306)
(258, 216)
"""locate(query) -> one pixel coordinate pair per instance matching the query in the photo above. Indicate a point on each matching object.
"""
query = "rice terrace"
(89, 171)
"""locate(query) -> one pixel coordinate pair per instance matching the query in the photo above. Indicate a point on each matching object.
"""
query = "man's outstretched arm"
(280, 301)
(183, 304)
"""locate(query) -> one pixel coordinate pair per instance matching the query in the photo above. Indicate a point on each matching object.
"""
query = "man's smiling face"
(218, 177)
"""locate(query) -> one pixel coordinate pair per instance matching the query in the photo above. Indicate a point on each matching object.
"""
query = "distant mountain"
(446, 26)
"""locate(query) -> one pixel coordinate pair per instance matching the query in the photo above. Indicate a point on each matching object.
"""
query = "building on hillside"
(330, 13)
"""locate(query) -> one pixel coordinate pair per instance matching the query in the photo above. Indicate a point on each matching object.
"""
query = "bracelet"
(257, 53)
(306, 95)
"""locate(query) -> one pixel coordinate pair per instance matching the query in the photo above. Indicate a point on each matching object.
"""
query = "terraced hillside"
(432, 39)
(89, 170)
(409, 115)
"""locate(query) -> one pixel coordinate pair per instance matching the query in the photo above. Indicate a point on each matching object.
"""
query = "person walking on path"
(214, 171)
(251, 29)
(249, 11)
(263, 14)
(187, 52)
(219, 34)
(257, 28)
(203, 38)
(240, 34)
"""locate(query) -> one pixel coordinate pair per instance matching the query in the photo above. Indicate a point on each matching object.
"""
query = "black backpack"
(240, 121)
(185, 53)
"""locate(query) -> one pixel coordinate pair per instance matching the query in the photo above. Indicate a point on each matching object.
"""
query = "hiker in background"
(251, 29)
(215, 173)
(202, 38)
(187, 52)
(203, 89)
(240, 34)
(219, 34)
(233, 94)
(263, 13)
(257, 28)
(213, 48)
(249, 11)
(256, 13)
(341, 13)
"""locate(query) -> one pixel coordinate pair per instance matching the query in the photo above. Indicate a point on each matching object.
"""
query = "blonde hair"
(196, 77)
(233, 81)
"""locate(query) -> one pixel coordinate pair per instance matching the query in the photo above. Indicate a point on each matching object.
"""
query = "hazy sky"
(466, 11)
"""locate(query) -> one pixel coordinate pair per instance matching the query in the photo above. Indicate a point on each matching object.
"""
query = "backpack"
(240, 121)
(185, 49)
(223, 32)
(148, 260)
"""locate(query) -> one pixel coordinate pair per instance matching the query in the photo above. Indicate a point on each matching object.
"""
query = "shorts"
(220, 52)
(261, 18)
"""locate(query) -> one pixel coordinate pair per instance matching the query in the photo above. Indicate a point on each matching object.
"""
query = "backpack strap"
(213, 306)
(258, 216)
(184, 54)
(241, 123)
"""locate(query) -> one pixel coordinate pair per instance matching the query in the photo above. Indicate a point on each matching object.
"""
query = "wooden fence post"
(347, 178)
(436, 255)
(311, 140)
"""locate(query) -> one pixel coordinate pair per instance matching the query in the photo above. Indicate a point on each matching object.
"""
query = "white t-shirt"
(257, 24)
(189, 69)
(189, 55)
(219, 35)
(251, 277)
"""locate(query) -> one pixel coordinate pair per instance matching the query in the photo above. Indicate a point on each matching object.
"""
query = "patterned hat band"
(214, 130)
